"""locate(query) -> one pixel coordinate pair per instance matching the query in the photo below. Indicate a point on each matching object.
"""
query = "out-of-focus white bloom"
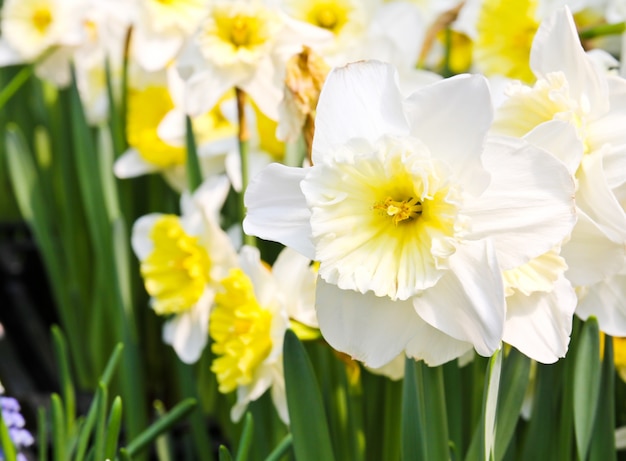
(106, 25)
(412, 226)
(156, 134)
(182, 261)
(162, 28)
(573, 92)
(252, 312)
(245, 45)
(502, 31)
(32, 28)
(370, 29)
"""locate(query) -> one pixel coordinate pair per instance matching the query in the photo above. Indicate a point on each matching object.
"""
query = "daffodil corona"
(412, 225)
(182, 260)
(253, 309)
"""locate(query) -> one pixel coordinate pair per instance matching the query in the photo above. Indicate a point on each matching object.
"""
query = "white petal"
(257, 160)
(172, 128)
(368, 328)
(154, 51)
(246, 394)
(203, 91)
(528, 207)
(360, 100)
(131, 164)
(561, 140)
(187, 332)
(461, 104)
(590, 254)
(176, 177)
(467, 303)
(556, 48)
(140, 239)
(607, 302)
(8, 56)
(393, 370)
(209, 197)
(264, 89)
(261, 278)
(435, 347)
(596, 199)
(279, 395)
(540, 325)
(296, 279)
(277, 209)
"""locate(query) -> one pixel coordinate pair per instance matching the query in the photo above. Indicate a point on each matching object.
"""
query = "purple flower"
(15, 422)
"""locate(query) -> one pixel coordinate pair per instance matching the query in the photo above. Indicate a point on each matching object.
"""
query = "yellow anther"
(400, 210)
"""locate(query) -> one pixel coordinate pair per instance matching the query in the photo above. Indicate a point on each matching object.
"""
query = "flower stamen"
(399, 211)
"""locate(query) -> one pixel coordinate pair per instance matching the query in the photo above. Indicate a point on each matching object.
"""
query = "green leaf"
(59, 437)
(492, 387)
(112, 364)
(603, 441)
(281, 449)
(101, 413)
(412, 445)
(432, 410)
(42, 434)
(514, 381)
(113, 428)
(309, 427)
(15, 84)
(541, 441)
(224, 454)
(246, 438)
(586, 385)
(162, 425)
(194, 173)
(67, 386)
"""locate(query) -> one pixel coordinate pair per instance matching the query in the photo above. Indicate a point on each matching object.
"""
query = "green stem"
(602, 30)
(244, 140)
(15, 84)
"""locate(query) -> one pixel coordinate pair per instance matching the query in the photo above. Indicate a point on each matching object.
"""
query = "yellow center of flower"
(178, 269)
(385, 222)
(240, 329)
(42, 18)
(400, 211)
(549, 99)
(330, 15)
(241, 30)
(181, 14)
(506, 29)
(146, 109)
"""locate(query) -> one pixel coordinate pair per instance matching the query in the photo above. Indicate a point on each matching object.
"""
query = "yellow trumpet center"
(177, 271)
(42, 18)
(240, 329)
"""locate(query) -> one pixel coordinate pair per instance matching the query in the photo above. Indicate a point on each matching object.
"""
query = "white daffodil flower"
(32, 28)
(370, 29)
(156, 134)
(252, 311)
(162, 29)
(182, 260)
(502, 32)
(242, 44)
(573, 93)
(412, 213)
(106, 25)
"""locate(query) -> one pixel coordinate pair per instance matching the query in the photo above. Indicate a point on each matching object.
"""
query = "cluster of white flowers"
(444, 215)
